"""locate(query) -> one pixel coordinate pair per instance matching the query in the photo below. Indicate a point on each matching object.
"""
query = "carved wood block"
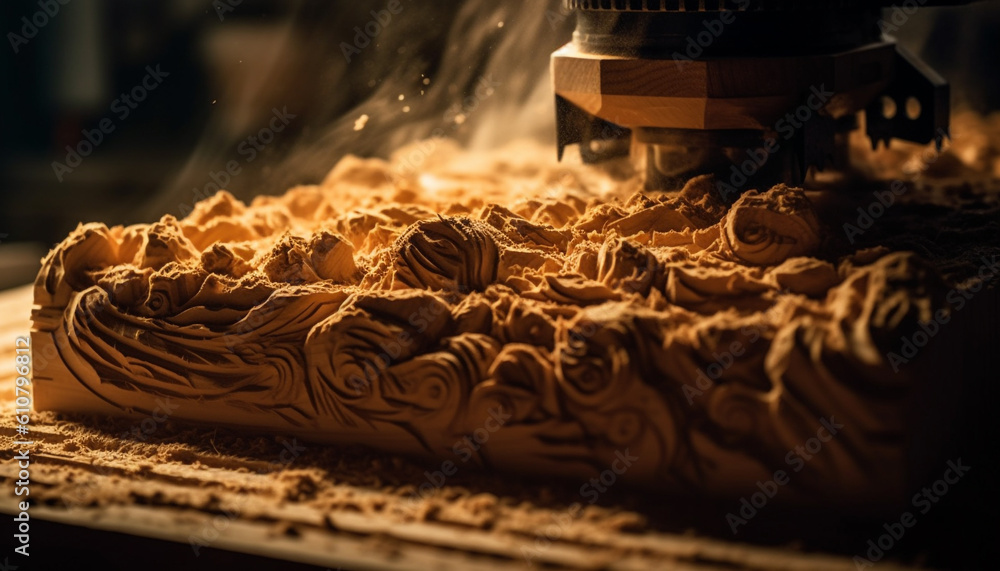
(689, 346)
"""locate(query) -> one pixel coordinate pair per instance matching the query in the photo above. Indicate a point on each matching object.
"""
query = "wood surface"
(98, 478)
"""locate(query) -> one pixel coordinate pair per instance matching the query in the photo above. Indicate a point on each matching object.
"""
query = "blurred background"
(121, 111)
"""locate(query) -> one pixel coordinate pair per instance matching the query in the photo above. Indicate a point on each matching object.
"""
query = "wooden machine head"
(755, 91)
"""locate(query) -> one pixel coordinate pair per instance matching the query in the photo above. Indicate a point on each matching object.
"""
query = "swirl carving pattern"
(706, 340)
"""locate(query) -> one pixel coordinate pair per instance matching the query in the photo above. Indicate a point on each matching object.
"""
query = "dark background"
(229, 69)
(227, 74)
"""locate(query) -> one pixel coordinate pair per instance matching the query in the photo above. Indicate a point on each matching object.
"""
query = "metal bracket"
(914, 80)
